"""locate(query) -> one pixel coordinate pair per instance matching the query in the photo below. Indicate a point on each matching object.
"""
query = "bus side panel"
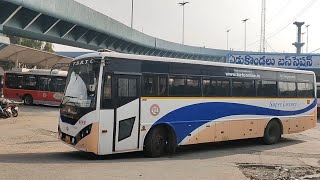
(18, 94)
(299, 124)
(204, 120)
(106, 131)
(47, 97)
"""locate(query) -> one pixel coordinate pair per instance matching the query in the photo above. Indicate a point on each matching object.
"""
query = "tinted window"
(11, 81)
(127, 87)
(305, 90)
(216, 87)
(107, 90)
(176, 85)
(57, 84)
(287, 89)
(243, 88)
(30, 82)
(163, 86)
(43, 83)
(193, 87)
(149, 85)
(267, 89)
(125, 128)
(184, 86)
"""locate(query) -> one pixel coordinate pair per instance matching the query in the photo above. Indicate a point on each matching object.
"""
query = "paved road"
(30, 150)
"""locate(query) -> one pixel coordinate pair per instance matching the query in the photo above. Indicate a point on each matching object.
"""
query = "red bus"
(35, 86)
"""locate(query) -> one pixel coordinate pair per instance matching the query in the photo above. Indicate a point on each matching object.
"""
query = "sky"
(206, 22)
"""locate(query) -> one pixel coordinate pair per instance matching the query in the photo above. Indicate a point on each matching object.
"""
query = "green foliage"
(6, 65)
(36, 44)
(48, 47)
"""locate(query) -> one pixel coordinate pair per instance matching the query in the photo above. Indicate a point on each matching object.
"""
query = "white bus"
(118, 103)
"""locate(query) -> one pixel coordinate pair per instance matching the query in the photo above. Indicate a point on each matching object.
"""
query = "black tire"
(155, 142)
(7, 114)
(28, 100)
(15, 113)
(272, 133)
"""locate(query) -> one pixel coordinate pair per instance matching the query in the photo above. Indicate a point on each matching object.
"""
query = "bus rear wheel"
(28, 100)
(272, 133)
(155, 142)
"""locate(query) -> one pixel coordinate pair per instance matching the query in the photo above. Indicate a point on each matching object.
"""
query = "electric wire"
(270, 46)
(280, 11)
(293, 19)
(271, 35)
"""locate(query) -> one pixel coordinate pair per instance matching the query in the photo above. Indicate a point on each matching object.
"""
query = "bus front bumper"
(86, 140)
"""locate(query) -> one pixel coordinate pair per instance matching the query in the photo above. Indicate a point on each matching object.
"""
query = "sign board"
(290, 61)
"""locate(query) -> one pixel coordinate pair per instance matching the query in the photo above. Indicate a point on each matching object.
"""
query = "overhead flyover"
(4, 41)
(71, 23)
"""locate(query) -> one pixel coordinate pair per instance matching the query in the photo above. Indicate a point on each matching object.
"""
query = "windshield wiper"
(70, 97)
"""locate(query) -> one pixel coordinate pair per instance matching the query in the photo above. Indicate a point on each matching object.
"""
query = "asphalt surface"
(29, 149)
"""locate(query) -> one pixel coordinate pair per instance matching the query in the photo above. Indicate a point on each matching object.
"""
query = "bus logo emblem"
(154, 109)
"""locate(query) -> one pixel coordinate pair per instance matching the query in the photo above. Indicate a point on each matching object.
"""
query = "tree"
(48, 47)
(36, 44)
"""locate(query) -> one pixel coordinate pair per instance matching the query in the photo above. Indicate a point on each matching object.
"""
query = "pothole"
(279, 172)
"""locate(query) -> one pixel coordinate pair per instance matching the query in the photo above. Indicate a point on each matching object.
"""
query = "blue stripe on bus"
(186, 119)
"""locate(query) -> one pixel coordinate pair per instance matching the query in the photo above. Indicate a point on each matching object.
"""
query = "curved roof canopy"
(71, 23)
(21, 54)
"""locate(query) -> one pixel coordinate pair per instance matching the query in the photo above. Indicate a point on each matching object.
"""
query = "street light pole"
(302, 34)
(183, 4)
(131, 13)
(245, 33)
(228, 38)
(307, 26)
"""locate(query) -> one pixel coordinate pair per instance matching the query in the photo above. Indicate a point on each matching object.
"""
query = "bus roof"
(185, 61)
(53, 72)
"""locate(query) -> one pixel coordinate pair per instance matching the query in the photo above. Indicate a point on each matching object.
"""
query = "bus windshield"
(82, 82)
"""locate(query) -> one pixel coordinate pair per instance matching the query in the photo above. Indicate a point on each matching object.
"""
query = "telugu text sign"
(281, 61)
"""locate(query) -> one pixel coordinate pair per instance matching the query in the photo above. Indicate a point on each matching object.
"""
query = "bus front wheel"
(272, 133)
(155, 142)
(28, 100)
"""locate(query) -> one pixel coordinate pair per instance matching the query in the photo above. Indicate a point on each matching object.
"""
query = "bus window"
(305, 90)
(216, 87)
(106, 102)
(149, 85)
(287, 89)
(193, 87)
(267, 89)
(127, 87)
(243, 88)
(20, 82)
(177, 85)
(11, 81)
(163, 86)
(57, 84)
(30, 82)
(44, 83)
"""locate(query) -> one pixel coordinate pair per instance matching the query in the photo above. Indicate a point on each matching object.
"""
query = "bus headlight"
(82, 134)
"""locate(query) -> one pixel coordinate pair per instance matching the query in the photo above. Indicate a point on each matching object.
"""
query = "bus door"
(127, 112)
(43, 86)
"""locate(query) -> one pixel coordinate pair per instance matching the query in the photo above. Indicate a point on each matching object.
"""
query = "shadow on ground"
(202, 151)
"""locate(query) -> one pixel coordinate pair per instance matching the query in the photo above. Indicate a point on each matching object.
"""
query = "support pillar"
(16, 65)
(298, 44)
(47, 64)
